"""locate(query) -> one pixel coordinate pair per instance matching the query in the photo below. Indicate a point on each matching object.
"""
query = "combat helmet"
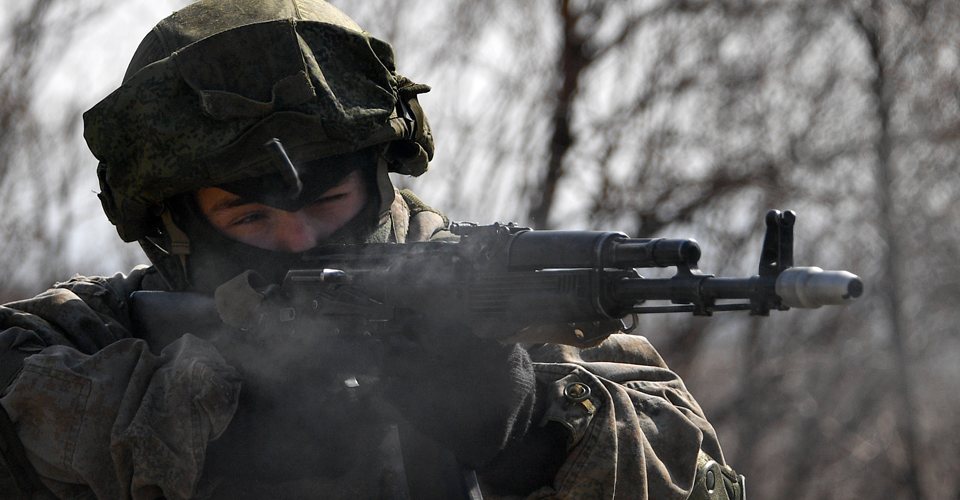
(213, 84)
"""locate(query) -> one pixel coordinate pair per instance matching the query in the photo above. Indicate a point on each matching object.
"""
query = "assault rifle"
(501, 279)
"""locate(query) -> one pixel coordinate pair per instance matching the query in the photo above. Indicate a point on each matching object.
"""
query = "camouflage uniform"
(96, 410)
(92, 413)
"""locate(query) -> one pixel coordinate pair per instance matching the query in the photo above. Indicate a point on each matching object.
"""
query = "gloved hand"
(288, 430)
(468, 394)
(297, 418)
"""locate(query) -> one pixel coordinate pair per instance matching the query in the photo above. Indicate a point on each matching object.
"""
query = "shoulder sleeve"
(425, 222)
(95, 412)
(631, 423)
(122, 423)
(88, 313)
(85, 312)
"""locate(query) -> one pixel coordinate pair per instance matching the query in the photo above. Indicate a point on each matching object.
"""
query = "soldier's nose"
(296, 232)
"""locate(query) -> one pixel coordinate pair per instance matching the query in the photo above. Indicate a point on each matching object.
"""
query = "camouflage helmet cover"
(235, 74)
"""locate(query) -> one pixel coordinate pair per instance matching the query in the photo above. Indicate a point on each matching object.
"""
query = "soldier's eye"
(330, 198)
(249, 219)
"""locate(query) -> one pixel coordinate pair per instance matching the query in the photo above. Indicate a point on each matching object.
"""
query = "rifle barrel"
(796, 287)
(812, 287)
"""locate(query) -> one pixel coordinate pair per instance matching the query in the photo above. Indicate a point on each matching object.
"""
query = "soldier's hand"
(464, 392)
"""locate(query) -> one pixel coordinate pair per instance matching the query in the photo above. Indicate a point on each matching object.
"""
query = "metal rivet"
(576, 392)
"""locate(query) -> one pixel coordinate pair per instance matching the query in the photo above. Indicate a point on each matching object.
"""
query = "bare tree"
(692, 118)
(44, 164)
(689, 118)
(25, 193)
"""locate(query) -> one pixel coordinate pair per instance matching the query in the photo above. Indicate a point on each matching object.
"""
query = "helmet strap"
(179, 241)
(384, 185)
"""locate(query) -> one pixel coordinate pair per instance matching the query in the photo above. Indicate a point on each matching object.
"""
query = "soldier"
(189, 169)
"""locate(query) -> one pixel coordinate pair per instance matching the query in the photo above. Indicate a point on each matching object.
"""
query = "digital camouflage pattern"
(99, 414)
(639, 438)
(239, 73)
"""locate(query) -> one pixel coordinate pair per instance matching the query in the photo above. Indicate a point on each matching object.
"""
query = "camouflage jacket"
(100, 416)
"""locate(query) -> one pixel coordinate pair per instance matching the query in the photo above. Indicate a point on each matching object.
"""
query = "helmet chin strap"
(179, 241)
(384, 184)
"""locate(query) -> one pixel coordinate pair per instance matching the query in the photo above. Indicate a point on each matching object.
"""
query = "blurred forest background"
(678, 118)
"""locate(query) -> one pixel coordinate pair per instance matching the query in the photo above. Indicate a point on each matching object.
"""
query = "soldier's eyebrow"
(229, 203)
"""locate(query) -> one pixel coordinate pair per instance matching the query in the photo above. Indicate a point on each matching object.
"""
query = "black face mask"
(214, 258)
